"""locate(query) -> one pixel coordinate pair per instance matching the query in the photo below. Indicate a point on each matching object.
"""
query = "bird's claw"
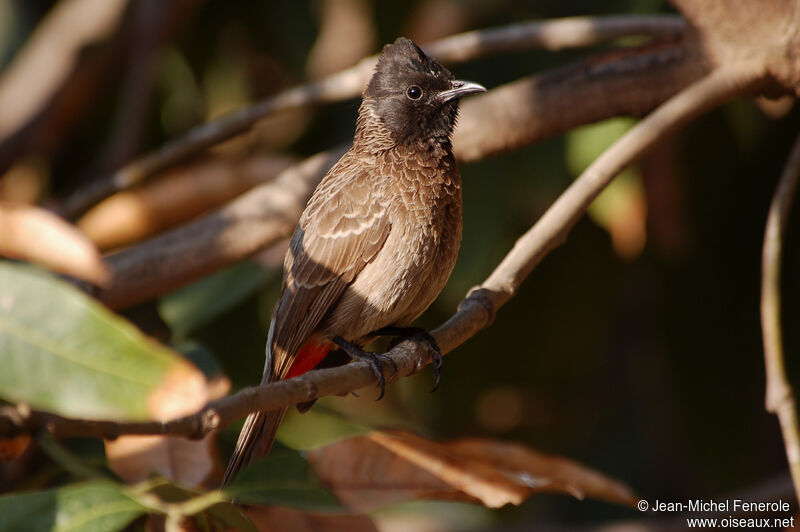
(436, 357)
(416, 333)
(437, 366)
(374, 359)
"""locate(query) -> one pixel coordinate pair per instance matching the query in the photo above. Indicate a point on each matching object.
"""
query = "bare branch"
(578, 31)
(177, 197)
(552, 228)
(262, 216)
(475, 312)
(505, 118)
(780, 398)
(629, 82)
(553, 35)
(766, 31)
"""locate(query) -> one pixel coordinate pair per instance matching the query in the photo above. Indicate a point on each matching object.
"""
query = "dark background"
(646, 365)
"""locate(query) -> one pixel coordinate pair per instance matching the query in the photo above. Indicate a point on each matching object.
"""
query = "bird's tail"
(255, 440)
(260, 428)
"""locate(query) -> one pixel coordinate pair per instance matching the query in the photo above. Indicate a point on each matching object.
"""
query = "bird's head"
(413, 96)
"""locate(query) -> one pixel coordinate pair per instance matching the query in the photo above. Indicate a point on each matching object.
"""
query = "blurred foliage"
(282, 478)
(90, 506)
(191, 308)
(65, 353)
(646, 366)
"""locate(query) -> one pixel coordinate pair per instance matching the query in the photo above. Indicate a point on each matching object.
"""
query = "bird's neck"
(372, 136)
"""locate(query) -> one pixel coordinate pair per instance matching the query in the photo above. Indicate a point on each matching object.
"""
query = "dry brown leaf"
(189, 191)
(280, 519)
(544, 472)
(36, 235)
(367, 472)
(186, 462)
(11, 448)
(24, 182)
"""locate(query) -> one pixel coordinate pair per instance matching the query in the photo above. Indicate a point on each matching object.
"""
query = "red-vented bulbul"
(379, 236)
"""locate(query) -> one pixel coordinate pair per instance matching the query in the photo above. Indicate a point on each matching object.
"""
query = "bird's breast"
(424, 206)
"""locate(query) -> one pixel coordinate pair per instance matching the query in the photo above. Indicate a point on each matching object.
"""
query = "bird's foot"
(415, 333)
(375, 360)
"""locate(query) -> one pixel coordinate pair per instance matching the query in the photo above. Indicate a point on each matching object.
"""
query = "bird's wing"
(343, 228)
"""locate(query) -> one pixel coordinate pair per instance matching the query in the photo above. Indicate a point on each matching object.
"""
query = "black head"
(414, 96)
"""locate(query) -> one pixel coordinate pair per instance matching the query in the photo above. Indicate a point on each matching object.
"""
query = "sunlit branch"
(780, 398)
(475, 312)
(553, 34)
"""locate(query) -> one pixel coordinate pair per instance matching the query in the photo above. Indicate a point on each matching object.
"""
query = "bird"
(378, 238)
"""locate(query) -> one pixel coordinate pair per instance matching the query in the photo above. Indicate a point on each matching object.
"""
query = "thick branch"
(780, 395)
(505, 118)
(552, 228)
(264, 215)
(556, 34)
(629, 82)
(475, 312)
(553, 35)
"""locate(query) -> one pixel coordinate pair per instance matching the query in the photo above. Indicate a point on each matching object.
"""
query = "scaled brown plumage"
(378, 238)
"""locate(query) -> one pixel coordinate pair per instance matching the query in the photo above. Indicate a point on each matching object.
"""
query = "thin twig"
(505, 118)
(555, 34)
(780, 395)
(475, 312)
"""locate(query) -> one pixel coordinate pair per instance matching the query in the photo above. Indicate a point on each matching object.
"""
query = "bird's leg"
(356, 353)
(415, 333)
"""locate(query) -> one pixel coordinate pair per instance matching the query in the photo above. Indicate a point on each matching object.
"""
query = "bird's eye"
(414, 92)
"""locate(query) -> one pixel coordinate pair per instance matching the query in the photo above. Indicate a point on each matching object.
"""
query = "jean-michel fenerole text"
(733, 505)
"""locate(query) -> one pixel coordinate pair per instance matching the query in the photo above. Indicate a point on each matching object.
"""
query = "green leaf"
(228, 514)
(90, 506)
(587, 143)
(199, 355)
(283, 478)
(68, 460)
(616, 209)
(62, 352)
(191, 307)
(316, 428)
(191, 503)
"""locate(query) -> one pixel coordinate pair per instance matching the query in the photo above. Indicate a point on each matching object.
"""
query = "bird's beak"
(460, 88)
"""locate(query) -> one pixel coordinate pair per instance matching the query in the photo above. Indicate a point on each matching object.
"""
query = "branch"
(627, 82)
(475, 312)
(551, 35)
(780, 396)
(503, 119)
(258, 218)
